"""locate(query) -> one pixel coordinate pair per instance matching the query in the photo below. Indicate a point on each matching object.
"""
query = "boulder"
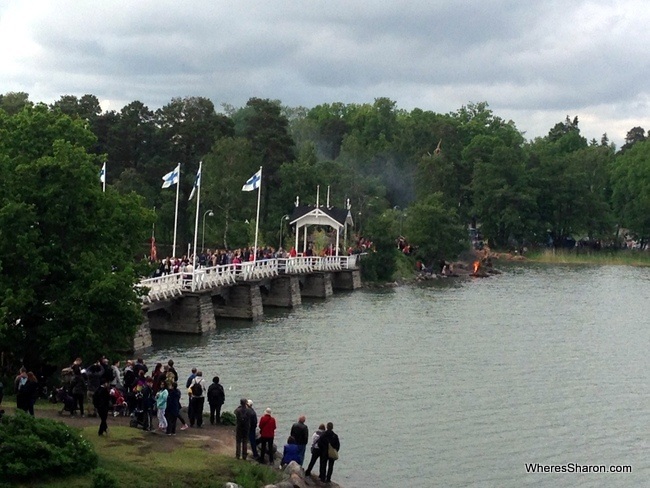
(294, 467)
(297, 481)
(230, 484)
(282, 484)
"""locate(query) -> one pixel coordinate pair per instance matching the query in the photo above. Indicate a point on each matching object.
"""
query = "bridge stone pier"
(317, 285)
(240, 301)
(346, 279)
(194, 303)
(191, 313)
(281, 291)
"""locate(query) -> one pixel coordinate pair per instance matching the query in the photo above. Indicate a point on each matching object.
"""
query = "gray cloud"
(534, 62)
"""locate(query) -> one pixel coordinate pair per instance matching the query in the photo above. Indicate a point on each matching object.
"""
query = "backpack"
(197, 389)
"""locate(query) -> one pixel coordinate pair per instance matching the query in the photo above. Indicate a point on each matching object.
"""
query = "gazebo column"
(297, 233)
(304, 242)
(337, 241)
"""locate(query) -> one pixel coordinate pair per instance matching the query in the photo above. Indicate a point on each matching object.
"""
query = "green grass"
(627, 258)
(139, 458)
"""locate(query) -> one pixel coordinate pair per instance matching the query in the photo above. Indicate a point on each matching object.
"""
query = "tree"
(435, 230)
(634, 135)
(264, 125)
(570, 178)
(630, 174)
(504, 201)
(225, 169)
(67, 281)
(380, 263)
(14, 102)
(187, 129)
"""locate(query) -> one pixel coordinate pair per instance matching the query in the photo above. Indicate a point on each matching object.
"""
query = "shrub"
(104, 479)
(228, 418)
(38, 448)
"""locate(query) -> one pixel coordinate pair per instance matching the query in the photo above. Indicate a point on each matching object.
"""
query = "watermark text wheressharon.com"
(577, 468)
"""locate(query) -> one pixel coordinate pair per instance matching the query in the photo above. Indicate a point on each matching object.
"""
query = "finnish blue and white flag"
(102, 174)
(253, 182)
(172, 177)
(197, 182)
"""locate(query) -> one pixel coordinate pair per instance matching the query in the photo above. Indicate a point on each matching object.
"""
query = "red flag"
(154, 252)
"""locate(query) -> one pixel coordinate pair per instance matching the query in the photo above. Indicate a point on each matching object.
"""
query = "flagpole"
(178, 185)
(196, 222)
(104, 182)
(257, 218)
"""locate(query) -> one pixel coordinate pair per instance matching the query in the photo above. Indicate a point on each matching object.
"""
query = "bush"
(228, 418)
(39, 448)
(104, 479)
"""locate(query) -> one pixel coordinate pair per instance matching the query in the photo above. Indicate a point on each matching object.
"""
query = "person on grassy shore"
(102, 403)
(216, 398)
(242, 428)
(161, 405)
(328, 439)
(267, 433)
(173, 409)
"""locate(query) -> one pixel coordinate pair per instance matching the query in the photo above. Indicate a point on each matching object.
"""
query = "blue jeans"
(252, 441)
(301, 453)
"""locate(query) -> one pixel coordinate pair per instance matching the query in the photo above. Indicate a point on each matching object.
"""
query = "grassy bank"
(194, 458)
(627, 258)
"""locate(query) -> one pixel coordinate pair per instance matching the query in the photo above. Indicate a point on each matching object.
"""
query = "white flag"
(171, 178)
(253, 182)
(197, 182)
(102, 174)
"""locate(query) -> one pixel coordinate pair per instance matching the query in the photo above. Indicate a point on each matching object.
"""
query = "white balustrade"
(171, 285)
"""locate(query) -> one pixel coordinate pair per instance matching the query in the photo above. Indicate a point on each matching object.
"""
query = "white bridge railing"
(172, 285)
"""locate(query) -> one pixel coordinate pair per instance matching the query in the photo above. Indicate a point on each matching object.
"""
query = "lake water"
(457, 382)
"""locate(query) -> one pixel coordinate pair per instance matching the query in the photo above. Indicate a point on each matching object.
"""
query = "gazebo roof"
(311, 215)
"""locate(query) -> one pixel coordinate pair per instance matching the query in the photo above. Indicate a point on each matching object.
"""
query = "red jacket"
(267, 426)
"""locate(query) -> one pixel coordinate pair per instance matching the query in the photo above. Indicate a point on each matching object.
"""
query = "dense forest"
(423, 173)
(67, 247)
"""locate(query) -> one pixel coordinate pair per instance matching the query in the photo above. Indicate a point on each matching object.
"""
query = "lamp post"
(284, 217)
(207, 212)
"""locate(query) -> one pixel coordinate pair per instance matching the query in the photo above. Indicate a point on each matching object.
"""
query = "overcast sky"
(533, 61)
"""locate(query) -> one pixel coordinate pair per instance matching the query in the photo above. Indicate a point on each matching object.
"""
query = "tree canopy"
(66, 248)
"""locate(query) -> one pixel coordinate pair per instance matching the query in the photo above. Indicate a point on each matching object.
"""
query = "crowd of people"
(103, 388)
(222, 257)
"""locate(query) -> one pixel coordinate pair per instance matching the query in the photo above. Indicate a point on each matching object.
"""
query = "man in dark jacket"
(94, 380)
(327, 439)
(102, 403)
(216, 398)
(242, 429)
(300, 433)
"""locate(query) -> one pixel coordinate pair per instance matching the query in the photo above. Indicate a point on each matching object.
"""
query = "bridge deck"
(169, 286)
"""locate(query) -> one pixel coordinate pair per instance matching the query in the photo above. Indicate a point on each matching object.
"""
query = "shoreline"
(215, 440)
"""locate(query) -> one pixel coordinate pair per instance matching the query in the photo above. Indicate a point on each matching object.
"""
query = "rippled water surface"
(457, 383)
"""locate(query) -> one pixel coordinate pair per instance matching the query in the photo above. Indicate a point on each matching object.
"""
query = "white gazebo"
(323, 215)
